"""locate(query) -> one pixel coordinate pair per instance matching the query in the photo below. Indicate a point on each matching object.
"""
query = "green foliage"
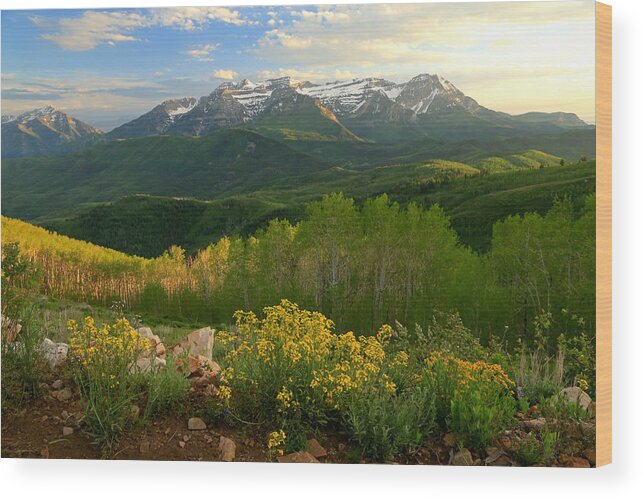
(104, 363)
(19, 275)
(533, 451)
(479, 413)
(559, 408)
(22, 364)
(167, 389)
(539, 375)
(385, 426)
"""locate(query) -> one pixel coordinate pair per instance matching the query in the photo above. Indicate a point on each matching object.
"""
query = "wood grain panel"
(603, 234)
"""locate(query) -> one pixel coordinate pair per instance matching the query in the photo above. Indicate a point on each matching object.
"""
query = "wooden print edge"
(603, 234)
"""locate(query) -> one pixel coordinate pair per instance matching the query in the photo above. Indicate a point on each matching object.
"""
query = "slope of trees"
(361, 266)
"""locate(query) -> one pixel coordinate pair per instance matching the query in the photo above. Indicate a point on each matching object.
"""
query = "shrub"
(384, 425)
(290, 371)
(22, 363)
(102, 362)
(473, 399)
(538, 375)
(532, 451)
(166, 389)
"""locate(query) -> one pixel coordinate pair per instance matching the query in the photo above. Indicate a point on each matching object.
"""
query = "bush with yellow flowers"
(103, 358)
(474, 399)
(290, 370)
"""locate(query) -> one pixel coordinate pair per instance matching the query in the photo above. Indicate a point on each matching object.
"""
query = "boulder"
(10, 329)
(227, 448)
(156, 344)
(450, 439)
(575, 395)
(199, 342)
(298, 457)
(54, 353)
(462, 458)
(537, 424)
(574, 462)
(196, 424)
(62, 395)
(144, 364)
(315, 448)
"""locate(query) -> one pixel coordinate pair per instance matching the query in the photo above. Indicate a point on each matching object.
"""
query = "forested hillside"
(347, 261)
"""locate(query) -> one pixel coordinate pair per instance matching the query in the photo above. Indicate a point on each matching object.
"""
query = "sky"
(107, 66)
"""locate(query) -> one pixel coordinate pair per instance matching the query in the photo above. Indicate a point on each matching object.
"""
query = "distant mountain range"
(358, 110)
(44, 131)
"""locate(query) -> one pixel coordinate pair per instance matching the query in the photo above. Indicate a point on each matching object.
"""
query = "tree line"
(362, 266)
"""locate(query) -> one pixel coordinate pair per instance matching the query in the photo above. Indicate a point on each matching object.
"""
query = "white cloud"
(527, 55)
(306, 74)
(224, 74)
(94, 28)
(202, 52)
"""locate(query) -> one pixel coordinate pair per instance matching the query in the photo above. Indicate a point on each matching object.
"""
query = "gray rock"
(196, 424)
(67, 430)
(62, 395)
(462, 458)
(58, 384)
(535, 424)
(575, 395)
(54, 353)
(199, 342)
(227, 448)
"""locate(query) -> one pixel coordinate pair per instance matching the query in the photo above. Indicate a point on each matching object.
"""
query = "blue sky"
(107, 66)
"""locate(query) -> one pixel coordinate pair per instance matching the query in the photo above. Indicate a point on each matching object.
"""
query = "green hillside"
(228, 162)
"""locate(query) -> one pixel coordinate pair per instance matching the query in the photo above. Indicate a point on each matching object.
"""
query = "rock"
(67, 430)
(181, 443)
(200, 382)
(10, 329)
(62, 395)
(590, 454)
(315, 449)
(450, 439)
(144, 447)
(506, 442)
(44, 453)
(144, 364)
(535, 424)
(156, 344)
(298, 457)
(533, 409)
(462, 458)
(575, 395)
(186, 438)
(494, 458)
(227, 448)
(210, 366)
(57, 385)
(592, 409)
(134, 412)
(54, 353)
(196, 424)
(199, 342)
(574, 461)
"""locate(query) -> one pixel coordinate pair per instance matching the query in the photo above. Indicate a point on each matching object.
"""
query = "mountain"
(425, 107)
(155, 122)
(44, 131)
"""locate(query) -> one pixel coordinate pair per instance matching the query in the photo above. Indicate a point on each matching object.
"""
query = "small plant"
(166, 389)
(532, 451)
(103, 359)
(276, 444)
(22, 363)
(384, 426)
(559, 408)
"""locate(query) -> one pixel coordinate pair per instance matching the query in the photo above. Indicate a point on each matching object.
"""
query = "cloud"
(202, 52)
(536, 53)
(224, 74)
(94, 28)
(306, 74)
